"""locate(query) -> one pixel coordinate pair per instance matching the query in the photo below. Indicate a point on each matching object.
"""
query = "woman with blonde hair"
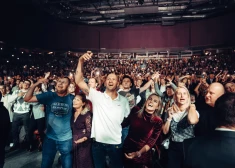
(179, 122)
(145, 128)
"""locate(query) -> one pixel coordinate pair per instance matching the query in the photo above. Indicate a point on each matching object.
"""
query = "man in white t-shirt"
(109, 110)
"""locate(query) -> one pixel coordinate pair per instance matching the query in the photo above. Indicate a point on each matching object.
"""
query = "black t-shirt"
(131, 96)
(207, 122)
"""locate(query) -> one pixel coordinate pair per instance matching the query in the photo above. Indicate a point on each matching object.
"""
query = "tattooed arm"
(80, 71)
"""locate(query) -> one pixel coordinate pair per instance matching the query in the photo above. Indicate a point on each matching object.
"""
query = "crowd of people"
(123, 113)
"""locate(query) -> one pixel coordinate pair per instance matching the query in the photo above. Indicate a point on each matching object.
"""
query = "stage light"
(7, 61)
(1, 48)
(30, 55)
(18, 58)
(12, 55)
(22, 52)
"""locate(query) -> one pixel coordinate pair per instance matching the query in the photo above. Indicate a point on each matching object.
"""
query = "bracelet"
(138, 154)
(168, 119)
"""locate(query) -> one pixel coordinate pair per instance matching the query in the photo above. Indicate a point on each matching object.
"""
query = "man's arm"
(80, 71)
(29, 95)
(147, 85)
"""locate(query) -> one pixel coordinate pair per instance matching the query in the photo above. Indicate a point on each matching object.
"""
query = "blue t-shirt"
(58, 115)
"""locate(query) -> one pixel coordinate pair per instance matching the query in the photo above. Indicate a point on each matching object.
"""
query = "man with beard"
(109, 110)
(58, 113)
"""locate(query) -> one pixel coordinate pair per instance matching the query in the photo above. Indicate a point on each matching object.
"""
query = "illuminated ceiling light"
(30, 55)
(7, 61)
(18, 58)
(1, 48)
(22, 52)
(50, 52)
(12, 55)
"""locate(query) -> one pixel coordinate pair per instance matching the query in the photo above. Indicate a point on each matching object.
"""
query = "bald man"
(207, 121)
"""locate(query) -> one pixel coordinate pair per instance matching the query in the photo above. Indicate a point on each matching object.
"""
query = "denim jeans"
(124, 133)
(50, 147)
(101, 150)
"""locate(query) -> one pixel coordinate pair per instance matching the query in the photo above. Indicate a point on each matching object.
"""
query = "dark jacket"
(4, 130)
(216, 151)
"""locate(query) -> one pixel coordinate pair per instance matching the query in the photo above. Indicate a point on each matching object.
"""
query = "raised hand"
(170, 112)
(47, 75)
(86, 56)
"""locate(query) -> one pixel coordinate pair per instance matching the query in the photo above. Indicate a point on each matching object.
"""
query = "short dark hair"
(225, 110)
(83, 98)
(28, 81)
(68, 79)
(126, 76)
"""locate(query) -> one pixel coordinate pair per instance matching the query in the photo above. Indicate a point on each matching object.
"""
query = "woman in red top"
(145, 128)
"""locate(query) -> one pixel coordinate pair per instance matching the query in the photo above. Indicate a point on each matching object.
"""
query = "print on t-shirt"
(131, 99)
(131, 96)
(59, 109)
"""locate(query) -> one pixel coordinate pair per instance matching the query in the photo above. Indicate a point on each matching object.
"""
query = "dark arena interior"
(117, 83)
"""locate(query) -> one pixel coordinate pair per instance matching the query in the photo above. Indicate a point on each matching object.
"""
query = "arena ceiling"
(121, 13)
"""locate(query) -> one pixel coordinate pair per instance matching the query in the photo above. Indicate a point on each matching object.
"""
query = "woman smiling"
(145, 128)
(180, 122)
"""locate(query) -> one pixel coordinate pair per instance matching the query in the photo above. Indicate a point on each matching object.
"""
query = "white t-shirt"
(108, 115)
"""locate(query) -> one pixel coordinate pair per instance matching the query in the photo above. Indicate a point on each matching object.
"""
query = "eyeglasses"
(27, 83)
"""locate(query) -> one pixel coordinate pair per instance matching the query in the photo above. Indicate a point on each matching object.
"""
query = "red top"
(142, 131)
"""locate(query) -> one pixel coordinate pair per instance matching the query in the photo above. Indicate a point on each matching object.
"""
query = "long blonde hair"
(175, 105)
(156, 112)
